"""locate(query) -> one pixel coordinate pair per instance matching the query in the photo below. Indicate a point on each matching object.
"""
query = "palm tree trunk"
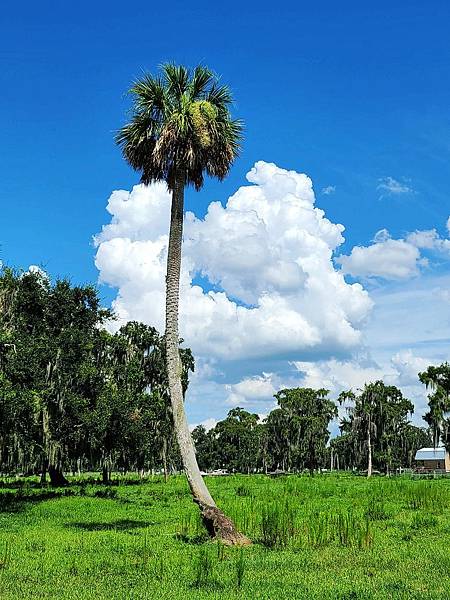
(216, 522)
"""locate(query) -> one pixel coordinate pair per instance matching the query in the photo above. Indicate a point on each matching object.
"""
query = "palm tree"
(181, 129)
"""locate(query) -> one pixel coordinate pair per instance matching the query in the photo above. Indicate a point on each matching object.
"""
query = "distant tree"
(393, 425)
(278, 439)
(237, 440)
(180, 130)
(344, 449)
(206, 448)
(375, 420)
(437, 379)
(304, 416)
(411, 439)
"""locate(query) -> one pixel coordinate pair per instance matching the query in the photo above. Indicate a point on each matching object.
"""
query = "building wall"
(435, 464)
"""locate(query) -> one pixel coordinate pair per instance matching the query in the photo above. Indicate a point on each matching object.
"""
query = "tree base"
(57, 478)
(221, 527)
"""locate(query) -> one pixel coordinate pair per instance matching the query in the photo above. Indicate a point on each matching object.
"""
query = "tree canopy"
(180, 124)
(72, 394)
(437, 379)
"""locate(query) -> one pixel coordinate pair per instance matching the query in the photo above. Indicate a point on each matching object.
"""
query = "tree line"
(375, 433)
(75, 397)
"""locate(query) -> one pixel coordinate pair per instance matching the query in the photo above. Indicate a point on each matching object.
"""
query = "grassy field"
(327, 537)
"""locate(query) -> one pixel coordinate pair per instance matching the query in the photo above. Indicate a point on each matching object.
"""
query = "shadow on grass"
(119, 525)
(15, 496)
(17, 501)
(10, 504)
(28, 484)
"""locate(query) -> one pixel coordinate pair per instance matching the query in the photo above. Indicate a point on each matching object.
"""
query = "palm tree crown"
(180, 127)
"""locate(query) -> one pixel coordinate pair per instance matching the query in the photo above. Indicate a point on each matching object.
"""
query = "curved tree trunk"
(217, 524)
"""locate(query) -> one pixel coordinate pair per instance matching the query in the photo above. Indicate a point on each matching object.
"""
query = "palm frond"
(220, 95)
(202, 79)
(176, 78)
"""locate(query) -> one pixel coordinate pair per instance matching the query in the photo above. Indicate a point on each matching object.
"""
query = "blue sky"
(353, 94)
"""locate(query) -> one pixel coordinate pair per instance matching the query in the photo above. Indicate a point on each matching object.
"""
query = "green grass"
(326, 537)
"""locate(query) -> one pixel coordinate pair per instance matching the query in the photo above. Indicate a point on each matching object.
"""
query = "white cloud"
(390, 258)
(428, 240)
(408, 366)
(38, 271)
(208, 424)
(411, 315)
(423, 239)
(391, 186)
(386, 258)
(336, 375)
(329, 189)
(408, 331)
(252, 390)
(381, 236)
(34, 269)
(269, 254)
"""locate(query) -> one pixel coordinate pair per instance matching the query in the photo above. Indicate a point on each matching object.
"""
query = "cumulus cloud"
(38, 271)
(386, 257)
(429, 240)
(402, 370)
(392, 259)
(267, 257)
(208, 424)
(336, 375)
(390, 186)
(34, 269)
(407, 367)
(252, 390)
(259, 282)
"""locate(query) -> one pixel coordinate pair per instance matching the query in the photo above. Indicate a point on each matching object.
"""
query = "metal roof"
(430, 454)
